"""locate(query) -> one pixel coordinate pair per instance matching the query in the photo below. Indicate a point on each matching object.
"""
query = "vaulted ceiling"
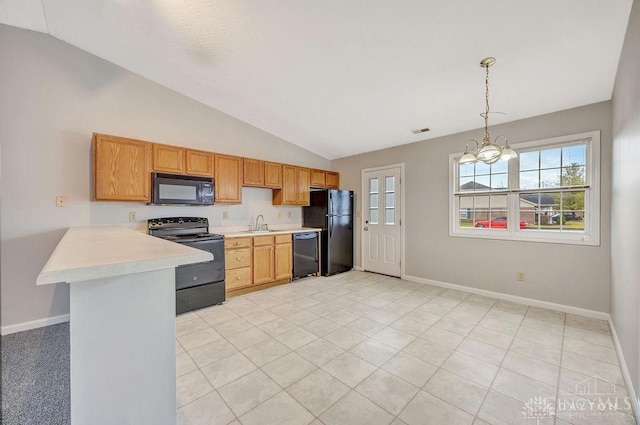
(344, 77)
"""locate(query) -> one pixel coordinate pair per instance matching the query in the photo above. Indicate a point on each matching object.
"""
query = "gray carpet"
(35, 377)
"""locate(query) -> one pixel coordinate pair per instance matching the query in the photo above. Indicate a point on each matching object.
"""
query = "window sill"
(578, 238)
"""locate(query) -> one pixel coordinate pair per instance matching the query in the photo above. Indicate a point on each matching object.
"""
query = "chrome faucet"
(258, 217)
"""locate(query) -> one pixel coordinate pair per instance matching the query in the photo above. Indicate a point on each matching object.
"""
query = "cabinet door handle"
(237, 258)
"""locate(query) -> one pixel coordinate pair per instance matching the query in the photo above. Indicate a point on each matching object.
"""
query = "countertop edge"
(88, 253)
(245, 234)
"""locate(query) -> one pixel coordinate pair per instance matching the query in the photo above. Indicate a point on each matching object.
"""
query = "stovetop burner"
(181, 229)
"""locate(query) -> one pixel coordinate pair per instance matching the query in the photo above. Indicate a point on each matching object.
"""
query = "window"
(550, 193)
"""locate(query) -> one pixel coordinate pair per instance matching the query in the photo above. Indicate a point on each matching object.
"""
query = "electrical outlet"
(225, 214)
(520, 276)
(279, 214)
(289, 214)
(61, 201)
(133, 216)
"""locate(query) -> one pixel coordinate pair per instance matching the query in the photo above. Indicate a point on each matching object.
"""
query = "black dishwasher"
(305, 254)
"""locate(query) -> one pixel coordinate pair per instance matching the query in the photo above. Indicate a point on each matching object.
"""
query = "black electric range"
(197, 285)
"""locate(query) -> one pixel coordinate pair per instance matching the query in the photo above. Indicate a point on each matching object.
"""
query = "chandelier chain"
(486, 113)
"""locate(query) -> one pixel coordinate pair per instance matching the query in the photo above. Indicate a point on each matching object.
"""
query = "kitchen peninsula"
(122, 309)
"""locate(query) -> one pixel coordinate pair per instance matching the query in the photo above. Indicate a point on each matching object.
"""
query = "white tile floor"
(360, 348)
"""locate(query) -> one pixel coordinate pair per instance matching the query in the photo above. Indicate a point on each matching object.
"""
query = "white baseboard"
(625, 372)
(358, 268)
(514, 298)
(25, 326)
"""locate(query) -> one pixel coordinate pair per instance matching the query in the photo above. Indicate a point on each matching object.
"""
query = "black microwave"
(173, 189)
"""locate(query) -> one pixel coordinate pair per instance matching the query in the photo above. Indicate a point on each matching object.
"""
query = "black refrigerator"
(332, 211)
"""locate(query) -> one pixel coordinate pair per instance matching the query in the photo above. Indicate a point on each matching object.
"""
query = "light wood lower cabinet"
(263, 270)
(237, 263)
(283, 260)
(254, 263)
(238, 278)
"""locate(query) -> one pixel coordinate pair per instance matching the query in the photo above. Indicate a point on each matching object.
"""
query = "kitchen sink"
(259, 231)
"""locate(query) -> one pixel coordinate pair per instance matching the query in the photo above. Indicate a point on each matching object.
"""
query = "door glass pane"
(389, 200)
(389, 184)
(373, 216)
(373, 185)
(373, 201)
(389, 216)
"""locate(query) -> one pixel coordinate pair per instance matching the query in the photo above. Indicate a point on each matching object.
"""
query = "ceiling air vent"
(420, 131)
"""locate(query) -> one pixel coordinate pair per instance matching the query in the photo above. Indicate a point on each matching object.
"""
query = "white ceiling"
(341, 77)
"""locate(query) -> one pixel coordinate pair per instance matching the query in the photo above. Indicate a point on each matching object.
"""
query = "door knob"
(366, 228)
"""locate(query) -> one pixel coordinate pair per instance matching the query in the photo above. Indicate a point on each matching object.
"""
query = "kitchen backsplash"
(254, 201)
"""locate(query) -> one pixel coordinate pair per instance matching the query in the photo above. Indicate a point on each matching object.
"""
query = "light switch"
(225, 214)
(61, 201)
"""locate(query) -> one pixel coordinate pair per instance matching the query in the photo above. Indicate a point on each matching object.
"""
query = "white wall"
(52, 98)
(565, 274)
(625, 205)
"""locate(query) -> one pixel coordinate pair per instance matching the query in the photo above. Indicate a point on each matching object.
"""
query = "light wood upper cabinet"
(295, 187)
(227, 172)
(273, 175)
(325, 179)
(199, 163)
(318, 178)
(121, 169)
(302, 186)
(168, 159)
(289, 193)
(253, 174)
(332, 180)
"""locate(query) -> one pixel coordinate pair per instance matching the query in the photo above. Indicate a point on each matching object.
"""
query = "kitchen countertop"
(245, 234)
(86, 253)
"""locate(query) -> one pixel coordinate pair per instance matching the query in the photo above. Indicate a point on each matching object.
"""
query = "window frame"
(591, 233)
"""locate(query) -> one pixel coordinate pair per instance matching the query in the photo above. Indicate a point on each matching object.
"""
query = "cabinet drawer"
(238, 278)
(236, 258)
(283, 238)
(262, 240)
(237, 243)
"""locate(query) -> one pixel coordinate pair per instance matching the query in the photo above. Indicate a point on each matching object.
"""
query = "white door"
(381, 235)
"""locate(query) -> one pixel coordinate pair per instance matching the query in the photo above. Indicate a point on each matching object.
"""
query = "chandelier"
(489, 152)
